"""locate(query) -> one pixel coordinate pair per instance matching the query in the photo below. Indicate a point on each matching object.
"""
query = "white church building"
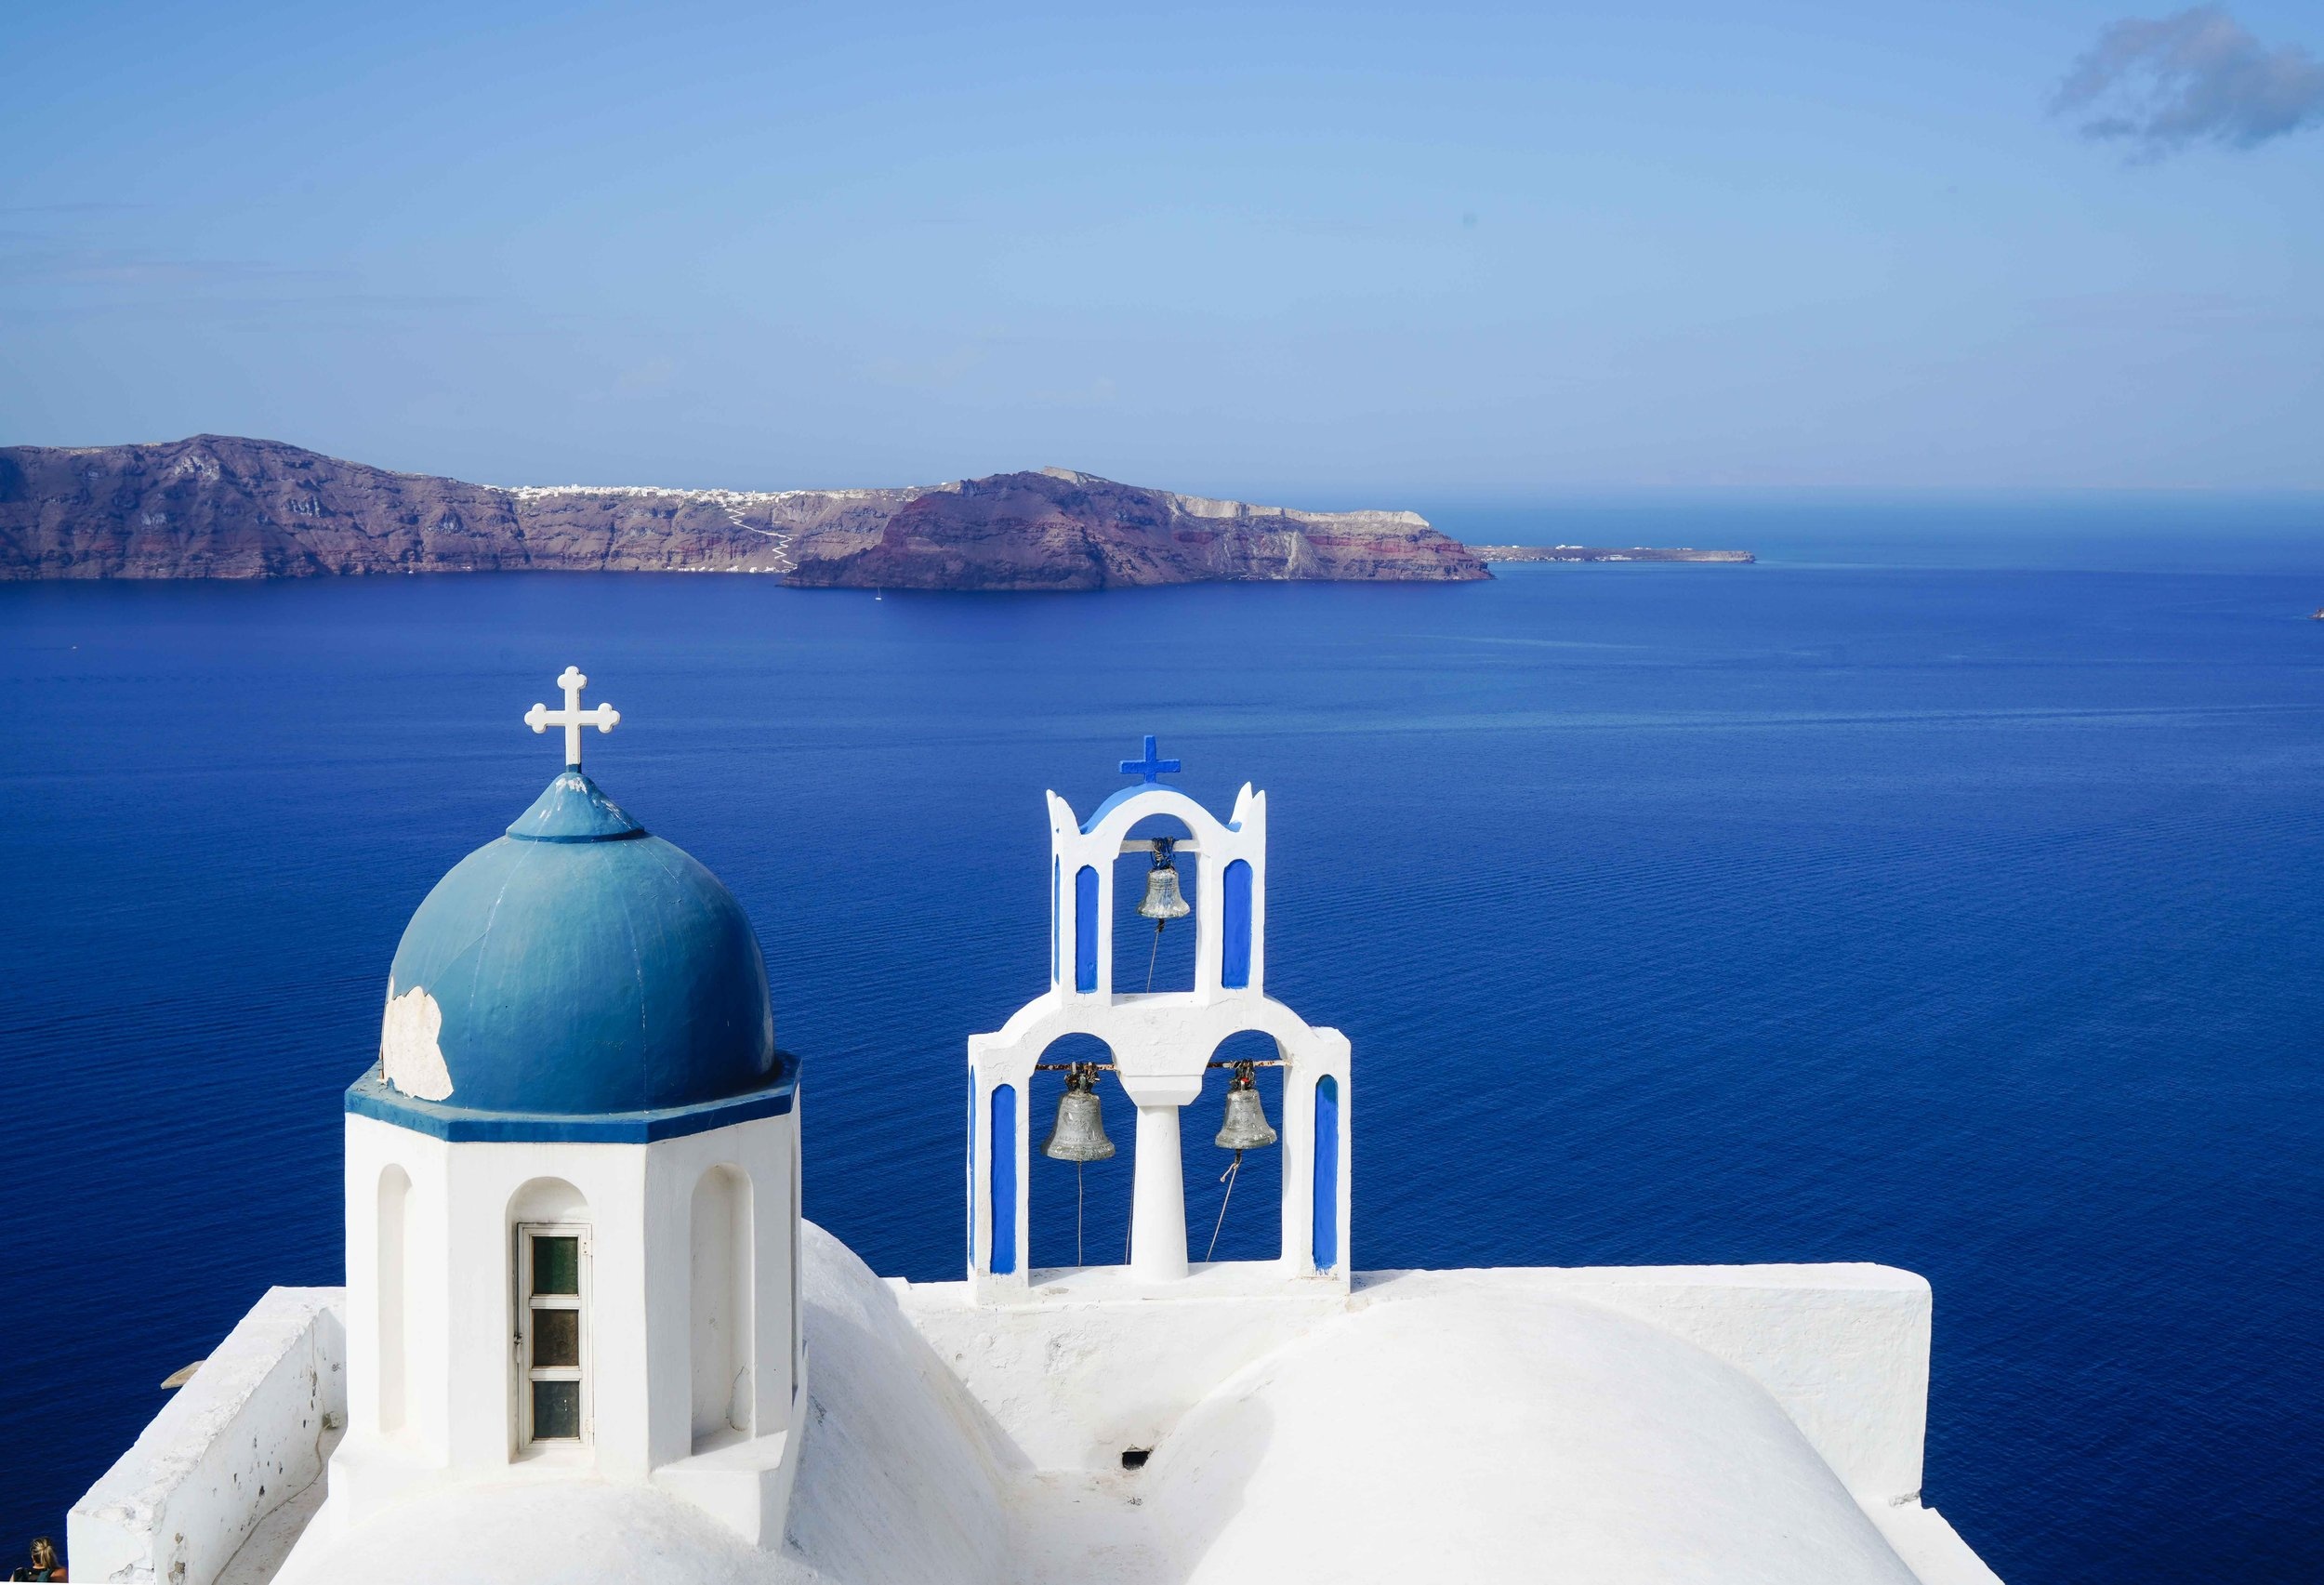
(586, 1334)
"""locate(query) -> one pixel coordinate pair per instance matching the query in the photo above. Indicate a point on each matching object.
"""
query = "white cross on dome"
(573, 718)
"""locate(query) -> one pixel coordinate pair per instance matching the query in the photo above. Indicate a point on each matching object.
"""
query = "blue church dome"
(575, 967)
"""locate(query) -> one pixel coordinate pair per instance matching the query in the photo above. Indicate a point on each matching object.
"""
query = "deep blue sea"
(1947, 889)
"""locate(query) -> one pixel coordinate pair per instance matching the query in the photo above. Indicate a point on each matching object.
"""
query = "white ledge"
(248, 1435)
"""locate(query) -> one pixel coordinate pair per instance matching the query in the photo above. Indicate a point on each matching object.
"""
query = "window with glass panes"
(552, 1272)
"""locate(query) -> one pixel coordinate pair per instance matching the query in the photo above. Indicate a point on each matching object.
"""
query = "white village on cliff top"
(586, 1334)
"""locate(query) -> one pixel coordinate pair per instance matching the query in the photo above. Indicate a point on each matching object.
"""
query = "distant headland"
(221, 507)
(1602, 553)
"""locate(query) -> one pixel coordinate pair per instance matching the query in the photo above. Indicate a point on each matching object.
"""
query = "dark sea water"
(1954, 900)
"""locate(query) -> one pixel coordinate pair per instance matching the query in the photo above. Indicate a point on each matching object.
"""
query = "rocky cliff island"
(220, 507)
(1060, 529)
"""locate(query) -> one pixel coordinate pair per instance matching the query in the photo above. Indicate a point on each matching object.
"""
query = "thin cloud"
(2197, 77)
(107, 208)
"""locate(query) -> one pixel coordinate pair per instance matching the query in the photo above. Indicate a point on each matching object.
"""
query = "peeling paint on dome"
(409, 1058)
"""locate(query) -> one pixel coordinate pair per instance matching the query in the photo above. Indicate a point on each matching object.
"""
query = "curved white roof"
(1486, 1436)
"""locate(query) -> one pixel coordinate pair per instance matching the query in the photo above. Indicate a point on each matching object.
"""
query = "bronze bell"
(1245, 1127)
(1080, 1134)
(1163, 899)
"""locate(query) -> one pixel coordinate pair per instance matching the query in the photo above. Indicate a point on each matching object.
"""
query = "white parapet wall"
(1095, 1363)
(249, 1433)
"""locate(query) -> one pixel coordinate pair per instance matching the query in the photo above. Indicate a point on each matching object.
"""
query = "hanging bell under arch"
(1245, 1127)
(1080, 1131)
(1163, 899)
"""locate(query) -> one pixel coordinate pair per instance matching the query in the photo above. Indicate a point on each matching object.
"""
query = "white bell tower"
(1163, 1044)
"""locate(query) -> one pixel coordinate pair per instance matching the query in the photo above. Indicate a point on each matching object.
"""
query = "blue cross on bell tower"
(1152, 767)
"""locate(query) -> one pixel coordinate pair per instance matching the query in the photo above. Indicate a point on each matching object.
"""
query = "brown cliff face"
(1062, 530)
(224, 508)
(218, 507)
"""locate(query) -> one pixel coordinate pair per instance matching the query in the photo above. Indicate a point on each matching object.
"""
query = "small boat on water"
(2317, 614)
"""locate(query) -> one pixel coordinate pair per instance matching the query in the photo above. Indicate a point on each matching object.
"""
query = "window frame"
(527, 1305)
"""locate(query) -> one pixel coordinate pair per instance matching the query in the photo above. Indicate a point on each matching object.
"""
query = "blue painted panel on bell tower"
(1326, 1233)
(1004, 1197)
(1085, 928)
(1235, 973)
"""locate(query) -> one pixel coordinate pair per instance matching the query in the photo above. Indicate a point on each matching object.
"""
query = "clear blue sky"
(1416, 250)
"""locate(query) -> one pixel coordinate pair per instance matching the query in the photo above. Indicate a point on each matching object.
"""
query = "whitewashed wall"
(455, 1311)
(244, 1436)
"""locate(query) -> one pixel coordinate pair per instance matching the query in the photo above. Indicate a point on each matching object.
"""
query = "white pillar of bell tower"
(1157, 1205)
(1162, 1044)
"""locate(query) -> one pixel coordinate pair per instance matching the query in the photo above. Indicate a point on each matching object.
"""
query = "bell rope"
(1245, 1128)
(1078, 1135)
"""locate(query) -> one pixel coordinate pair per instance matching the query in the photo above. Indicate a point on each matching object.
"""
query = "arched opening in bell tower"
(1078, 1210)
(1240, 1205)
(1146, 957)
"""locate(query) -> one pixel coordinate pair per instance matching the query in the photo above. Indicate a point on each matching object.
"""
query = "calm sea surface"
(1965, 914)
